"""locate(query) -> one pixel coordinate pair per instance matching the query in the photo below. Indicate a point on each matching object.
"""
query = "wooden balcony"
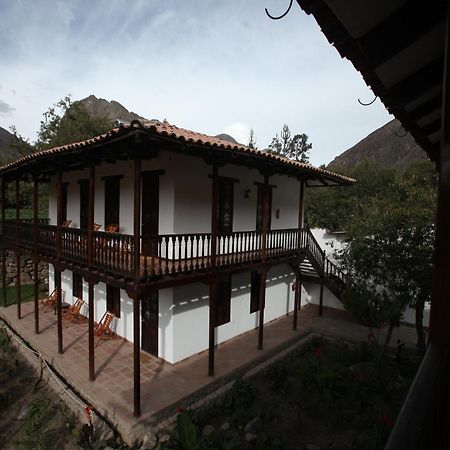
(161, 255)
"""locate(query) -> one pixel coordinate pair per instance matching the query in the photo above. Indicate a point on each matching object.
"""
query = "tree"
(66, 122)
(390, 250)
(296, 148)
(252, 140)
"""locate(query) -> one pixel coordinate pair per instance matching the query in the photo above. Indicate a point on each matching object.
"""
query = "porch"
(164, 386)
(162, 255)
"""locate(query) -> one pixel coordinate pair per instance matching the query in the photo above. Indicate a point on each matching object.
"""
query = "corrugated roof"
(179, 134)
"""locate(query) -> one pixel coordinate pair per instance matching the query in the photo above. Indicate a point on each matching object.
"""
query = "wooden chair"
(112, 228)
(66, 223)
(73, 313)
(103, 328)
(97, 226)
(49, 302)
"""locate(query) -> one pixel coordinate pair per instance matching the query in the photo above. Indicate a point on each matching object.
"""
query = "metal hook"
(282, 15)
(400, 135)
(367, 104)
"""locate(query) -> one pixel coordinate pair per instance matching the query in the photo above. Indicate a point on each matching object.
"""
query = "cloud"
(5, 109)
(240, 132)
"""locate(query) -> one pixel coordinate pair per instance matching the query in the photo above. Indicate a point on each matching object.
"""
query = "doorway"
(150, 213)
(149, 322)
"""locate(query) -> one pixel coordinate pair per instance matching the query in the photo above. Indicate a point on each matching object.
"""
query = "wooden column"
(321, 298)
(263, 274)
(440, 302)
(91, 202)
(3, 245)
(301, 203)
(213, 282)
(212, 326)
(18, 286)
(91, 331)
(136, 297)
(35, 254)
(297, 297)
(57, 266)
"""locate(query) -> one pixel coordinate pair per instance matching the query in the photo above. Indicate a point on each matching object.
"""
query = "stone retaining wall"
(26, 269)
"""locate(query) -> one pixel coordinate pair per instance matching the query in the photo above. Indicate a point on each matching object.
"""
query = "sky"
(215, 67)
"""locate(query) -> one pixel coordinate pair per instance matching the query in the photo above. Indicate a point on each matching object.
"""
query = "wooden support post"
(35, 255)
(299, 291)
(263, 274)
(137, 356)
(262, 303)
(3, 245)
(90, 255)
(57, 265)
(212, 326)
(440, 301)
(136, 297)
(18, 283)
(321, 298)
(213, 283)
(301, 202)
(297, 298)
(91, 332)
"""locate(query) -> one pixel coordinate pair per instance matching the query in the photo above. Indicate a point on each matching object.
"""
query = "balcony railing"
(166, 254)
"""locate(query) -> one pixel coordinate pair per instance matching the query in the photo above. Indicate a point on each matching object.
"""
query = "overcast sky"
(209, 66)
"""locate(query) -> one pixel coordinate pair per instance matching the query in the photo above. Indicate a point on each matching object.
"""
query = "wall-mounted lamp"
(247, 193)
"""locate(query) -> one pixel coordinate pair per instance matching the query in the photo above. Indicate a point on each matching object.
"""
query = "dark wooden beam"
(214, 203)
(426, 108)
(401, 29)
(440, 302)
(57, 266)
(136, 357)
(35, 254)
(212, 326)
(137, 220)
(418, 83)
(431, 128)
(18, 283)
(3, 245)
(91, 300)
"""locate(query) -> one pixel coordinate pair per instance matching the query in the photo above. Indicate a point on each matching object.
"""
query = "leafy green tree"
(66, 122)
(296, 147)
(390, 247)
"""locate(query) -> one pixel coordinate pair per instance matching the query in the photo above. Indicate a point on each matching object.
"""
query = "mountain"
(99, 107)
(386, 147)
(10, 149)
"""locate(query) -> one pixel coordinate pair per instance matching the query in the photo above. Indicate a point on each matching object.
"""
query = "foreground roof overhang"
(138, 140)
(398, 47)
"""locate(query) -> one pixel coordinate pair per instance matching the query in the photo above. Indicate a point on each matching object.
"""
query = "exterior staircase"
(316, 267)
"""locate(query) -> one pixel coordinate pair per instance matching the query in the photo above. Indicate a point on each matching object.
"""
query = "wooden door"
(260, 207)
(112, 200)
(150, 214)
(150, 319)
(225, 206)
(84, 203)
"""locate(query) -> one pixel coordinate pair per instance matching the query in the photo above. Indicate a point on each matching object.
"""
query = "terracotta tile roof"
(176, 133)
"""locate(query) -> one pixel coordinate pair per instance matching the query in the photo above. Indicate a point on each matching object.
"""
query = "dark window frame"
(113, 300)
(77, 285)
(260, 207)
(223, 302)
(255, 289)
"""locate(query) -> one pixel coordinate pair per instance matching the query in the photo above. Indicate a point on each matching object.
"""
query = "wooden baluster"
(174, 243)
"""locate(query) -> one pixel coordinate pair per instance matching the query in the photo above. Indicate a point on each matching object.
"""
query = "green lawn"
(26, 293)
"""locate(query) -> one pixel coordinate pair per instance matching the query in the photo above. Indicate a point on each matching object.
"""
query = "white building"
(200, 239)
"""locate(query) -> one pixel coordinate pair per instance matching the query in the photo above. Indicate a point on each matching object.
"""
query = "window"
(254, 291)
(260, 206)
(225, 206)
(223, 302)
(77, 285)
(113, 300)
(84, 203)
(64, 202)
(112, 200)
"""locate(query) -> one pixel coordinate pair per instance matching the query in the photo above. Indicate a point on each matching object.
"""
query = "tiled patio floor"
(164, 385)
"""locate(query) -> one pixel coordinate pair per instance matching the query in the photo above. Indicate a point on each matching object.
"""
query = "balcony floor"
(165, 385)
